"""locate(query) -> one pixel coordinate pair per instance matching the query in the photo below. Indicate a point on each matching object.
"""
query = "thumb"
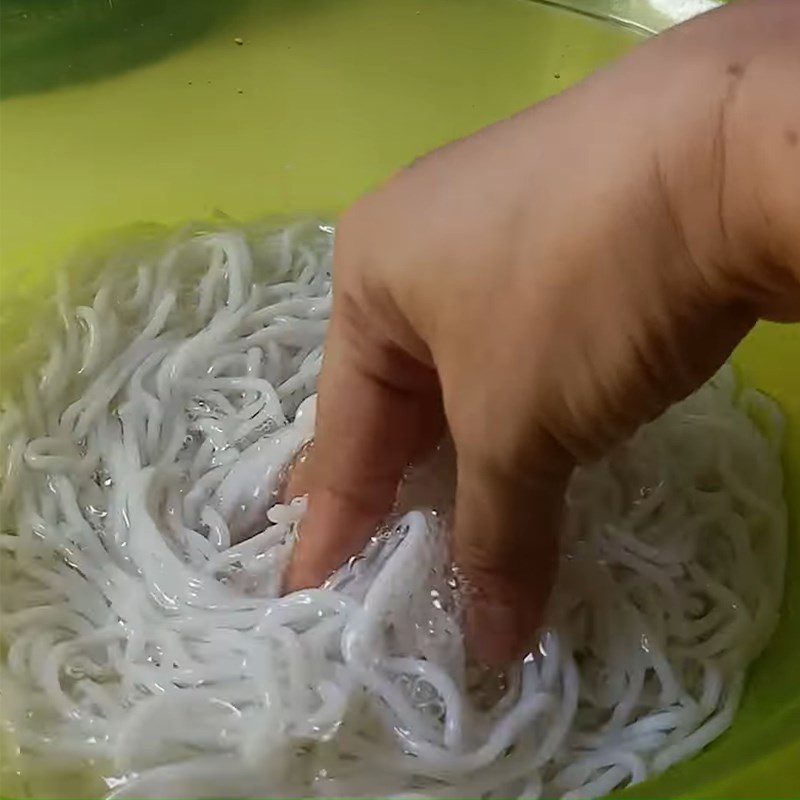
(506, 546)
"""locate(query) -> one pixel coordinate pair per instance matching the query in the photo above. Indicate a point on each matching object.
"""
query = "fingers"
(505, 543)
(378, 408)
(297, 478)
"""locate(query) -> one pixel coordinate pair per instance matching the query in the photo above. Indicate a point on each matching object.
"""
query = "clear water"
(335, 94)
(125, 111)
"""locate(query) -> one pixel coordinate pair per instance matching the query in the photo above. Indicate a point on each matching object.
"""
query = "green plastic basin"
(131, 111)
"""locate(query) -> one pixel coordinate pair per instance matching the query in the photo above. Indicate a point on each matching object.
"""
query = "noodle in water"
(144, 632)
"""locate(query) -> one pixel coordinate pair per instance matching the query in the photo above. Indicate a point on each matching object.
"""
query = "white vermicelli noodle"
(143, 629)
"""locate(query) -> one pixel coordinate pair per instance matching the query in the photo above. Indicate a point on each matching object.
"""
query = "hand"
(543, 287)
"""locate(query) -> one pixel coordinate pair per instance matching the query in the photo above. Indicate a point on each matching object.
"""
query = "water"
(266, 108)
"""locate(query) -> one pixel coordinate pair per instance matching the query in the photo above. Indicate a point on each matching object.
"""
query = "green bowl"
(188, 110)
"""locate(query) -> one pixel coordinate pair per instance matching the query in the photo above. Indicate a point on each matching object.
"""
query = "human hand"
(544, 287)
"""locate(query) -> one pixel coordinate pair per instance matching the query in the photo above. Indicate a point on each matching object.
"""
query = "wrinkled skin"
(548, 284)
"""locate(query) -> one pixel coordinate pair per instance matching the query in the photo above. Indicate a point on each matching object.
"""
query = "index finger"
(378, 408)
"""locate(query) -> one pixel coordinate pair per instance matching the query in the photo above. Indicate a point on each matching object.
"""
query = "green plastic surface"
(321, 100)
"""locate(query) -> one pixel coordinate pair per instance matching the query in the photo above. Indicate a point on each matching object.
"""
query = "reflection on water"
(45, 44)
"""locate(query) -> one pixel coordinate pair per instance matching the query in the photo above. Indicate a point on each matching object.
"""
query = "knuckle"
(505, 571)
(491, 565)
(351, 243)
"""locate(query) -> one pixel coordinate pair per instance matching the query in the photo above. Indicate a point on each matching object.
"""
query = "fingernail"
(494, 632)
